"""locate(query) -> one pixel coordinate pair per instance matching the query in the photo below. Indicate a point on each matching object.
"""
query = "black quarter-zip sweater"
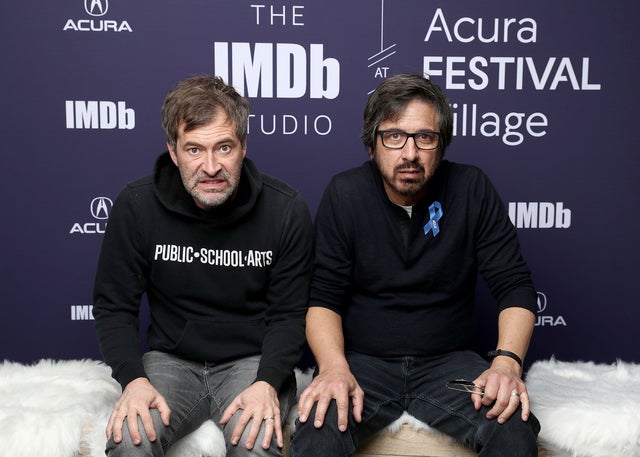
(221, 285)
(415, 297)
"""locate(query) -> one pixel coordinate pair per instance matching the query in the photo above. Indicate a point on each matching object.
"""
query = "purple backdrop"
(542, 92)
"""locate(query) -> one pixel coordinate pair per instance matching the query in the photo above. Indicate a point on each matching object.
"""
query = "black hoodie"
(221, 284)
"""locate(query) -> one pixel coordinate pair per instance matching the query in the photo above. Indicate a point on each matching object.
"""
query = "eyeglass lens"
(396, 139)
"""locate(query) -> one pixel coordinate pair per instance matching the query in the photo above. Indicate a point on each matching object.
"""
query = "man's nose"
(210, 163)
(410, 150)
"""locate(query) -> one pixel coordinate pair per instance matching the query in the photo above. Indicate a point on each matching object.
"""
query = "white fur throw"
(587, 409)
(61, 409)
(51, 409)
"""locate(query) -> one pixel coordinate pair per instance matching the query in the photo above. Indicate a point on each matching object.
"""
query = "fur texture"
(587, 409)
(50, 408)
(61, 409)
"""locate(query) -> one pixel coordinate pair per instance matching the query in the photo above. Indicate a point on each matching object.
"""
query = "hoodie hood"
(169, 189)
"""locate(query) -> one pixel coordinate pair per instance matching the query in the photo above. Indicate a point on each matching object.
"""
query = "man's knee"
(515, 437)
(126, 448)
(240, 449)
(309, 441)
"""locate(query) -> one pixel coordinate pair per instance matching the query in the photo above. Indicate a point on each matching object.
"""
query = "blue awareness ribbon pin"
(435, 213)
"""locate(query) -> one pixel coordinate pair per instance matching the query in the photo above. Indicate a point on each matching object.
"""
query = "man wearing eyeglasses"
(399, 243)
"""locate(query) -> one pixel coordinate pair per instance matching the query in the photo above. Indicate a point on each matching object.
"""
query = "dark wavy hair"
(196, 101)
(391, 97)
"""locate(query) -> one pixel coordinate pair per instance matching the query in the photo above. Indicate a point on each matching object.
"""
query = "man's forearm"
(325, 337)
(515, 327)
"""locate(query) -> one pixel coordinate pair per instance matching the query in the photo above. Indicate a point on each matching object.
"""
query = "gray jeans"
(196, 392)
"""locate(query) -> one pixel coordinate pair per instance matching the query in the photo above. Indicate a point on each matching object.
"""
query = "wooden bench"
(410, 442)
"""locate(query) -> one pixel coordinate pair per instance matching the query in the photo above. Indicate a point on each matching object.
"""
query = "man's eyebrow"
(227, 139)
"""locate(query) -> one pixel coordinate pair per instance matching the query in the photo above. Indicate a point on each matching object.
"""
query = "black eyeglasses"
(396, 139)
(463, 385)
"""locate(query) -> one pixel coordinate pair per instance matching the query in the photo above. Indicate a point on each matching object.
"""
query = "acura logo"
(101, 207)
(96, 7)
(542, 302)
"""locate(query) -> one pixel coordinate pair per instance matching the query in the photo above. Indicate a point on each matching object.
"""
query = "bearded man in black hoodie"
(224, 256)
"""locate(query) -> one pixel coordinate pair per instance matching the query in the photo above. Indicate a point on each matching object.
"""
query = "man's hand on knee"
(138, 397)
(332, 384)
(259, 405)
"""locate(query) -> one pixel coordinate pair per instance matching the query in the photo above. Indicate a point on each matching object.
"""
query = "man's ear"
(371, 152)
